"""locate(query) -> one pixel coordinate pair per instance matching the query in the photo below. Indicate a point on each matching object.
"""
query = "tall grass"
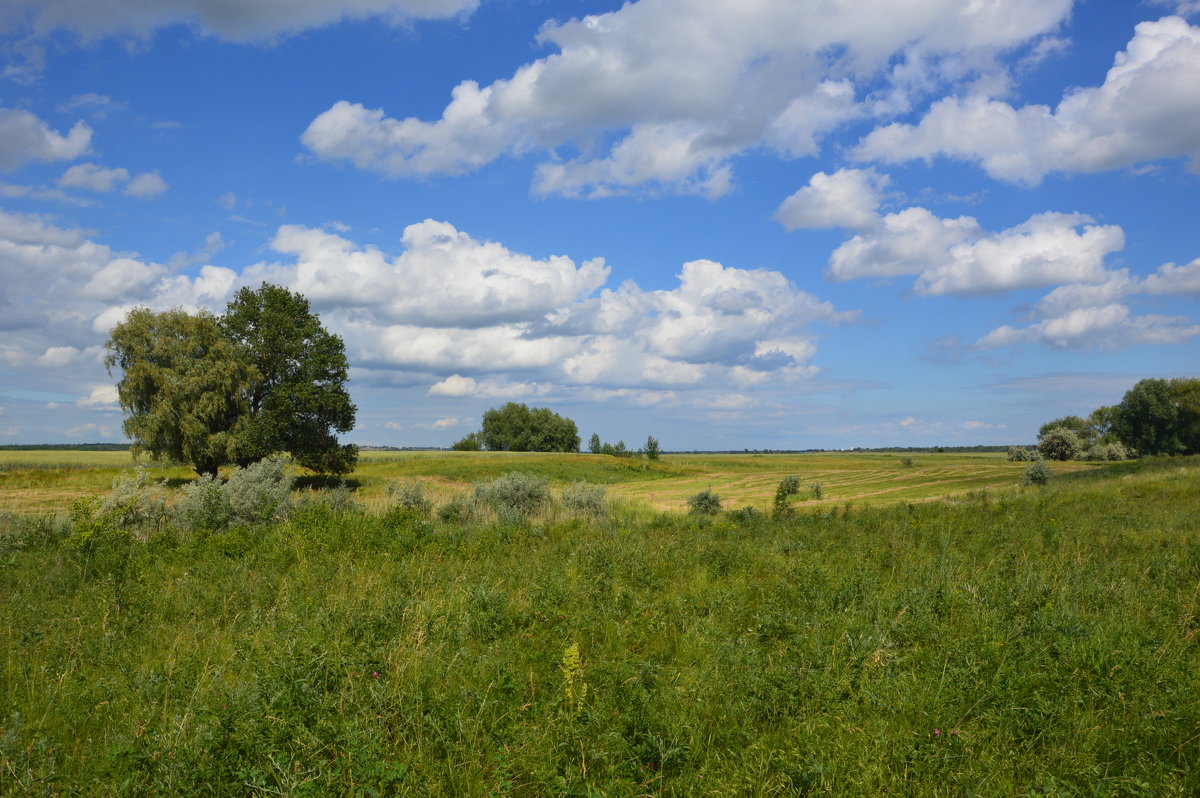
(1034, 642)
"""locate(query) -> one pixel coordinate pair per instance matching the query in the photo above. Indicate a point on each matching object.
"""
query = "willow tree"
(183, 386)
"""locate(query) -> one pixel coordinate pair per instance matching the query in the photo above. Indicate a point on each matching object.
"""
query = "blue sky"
(778, 224)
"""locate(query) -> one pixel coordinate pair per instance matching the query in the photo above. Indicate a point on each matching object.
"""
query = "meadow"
(1003, 640)
(48, 481)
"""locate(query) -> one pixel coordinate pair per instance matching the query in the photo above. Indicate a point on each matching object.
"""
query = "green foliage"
(264, 379)
(594, 444)
(1021, 454)
(788, 487)
(704, 503)
(298, 399)
(183, 386)
(260, 492)
(1082, 428)
(1059, 443)
(471, 442)
(652, 449)
(1106, 451)
(518, 428)
(135, 502)
(1160, 417)
(257, 494)
(907, 462)
(585, 501)
(1036, 473)
(514, 493)
(816, 490)
(410, 495)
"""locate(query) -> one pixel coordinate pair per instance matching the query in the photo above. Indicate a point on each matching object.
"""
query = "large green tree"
(518, 428)
(183, 386)
(1160, 417)
(264, 379)
(298, 401)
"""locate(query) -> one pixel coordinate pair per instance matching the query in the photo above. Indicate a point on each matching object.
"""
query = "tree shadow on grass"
(324, 482)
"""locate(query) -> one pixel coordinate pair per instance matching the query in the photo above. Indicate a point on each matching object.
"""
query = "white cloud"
(457, 385)
(1108, 327)
(25, 139)
(228, 200)
(240, 21)
(949, 256)
(392, 425)
(100, 396)
(147, 184)
(92, 177)
(847, 198)
(661, 94)
(1148, 108)
(443, 278)
(445, 423)
(1172, 279)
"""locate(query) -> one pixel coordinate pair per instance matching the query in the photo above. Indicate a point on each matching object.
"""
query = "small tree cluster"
(515, 493)
(650, 451)
(1060, 443)
(515, 427)
(1021, 454)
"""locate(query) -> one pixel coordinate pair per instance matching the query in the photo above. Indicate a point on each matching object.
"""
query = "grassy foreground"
(1038, 642)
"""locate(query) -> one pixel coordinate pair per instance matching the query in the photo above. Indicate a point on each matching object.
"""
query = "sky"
(730, 224)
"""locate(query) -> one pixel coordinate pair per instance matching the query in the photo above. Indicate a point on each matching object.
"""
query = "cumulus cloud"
(443, 278)
(846, 198)
(25, 139)
(467, 318)
(1098, 314)
(241, 21)
(948, 256)
(1148, 108)
(642, 101)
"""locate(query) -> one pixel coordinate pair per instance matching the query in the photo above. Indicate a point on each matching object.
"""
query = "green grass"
(1017, 642)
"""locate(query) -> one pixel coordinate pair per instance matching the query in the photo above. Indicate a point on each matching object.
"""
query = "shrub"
(1060, 443)
(454, 511)
(1021, 454)
(203, 505)
(410, 496)
(260, 492)
(788, 487)
(256, 494)
(704, 503)
(515, 492)
(582, 499)
(816, 490)
(135, 502)
(907, 462)
(745, 514)
(1037, 473)
(1106, 451)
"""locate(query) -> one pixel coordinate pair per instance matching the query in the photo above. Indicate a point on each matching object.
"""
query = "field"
(1003, 641)
(47, 481)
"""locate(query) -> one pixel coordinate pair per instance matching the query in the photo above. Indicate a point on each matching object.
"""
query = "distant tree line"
(651, 450)
(1155, 417)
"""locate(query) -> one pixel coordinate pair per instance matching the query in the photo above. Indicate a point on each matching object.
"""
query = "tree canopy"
(263, 379)
(1160, 417)
(516, 427)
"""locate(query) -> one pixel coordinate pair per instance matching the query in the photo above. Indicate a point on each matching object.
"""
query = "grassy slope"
(1041, 642)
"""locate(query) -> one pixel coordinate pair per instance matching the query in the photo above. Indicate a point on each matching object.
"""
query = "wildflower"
(375, 674)
(937, 732)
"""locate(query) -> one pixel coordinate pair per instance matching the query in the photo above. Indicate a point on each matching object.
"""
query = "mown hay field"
(48, 481)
